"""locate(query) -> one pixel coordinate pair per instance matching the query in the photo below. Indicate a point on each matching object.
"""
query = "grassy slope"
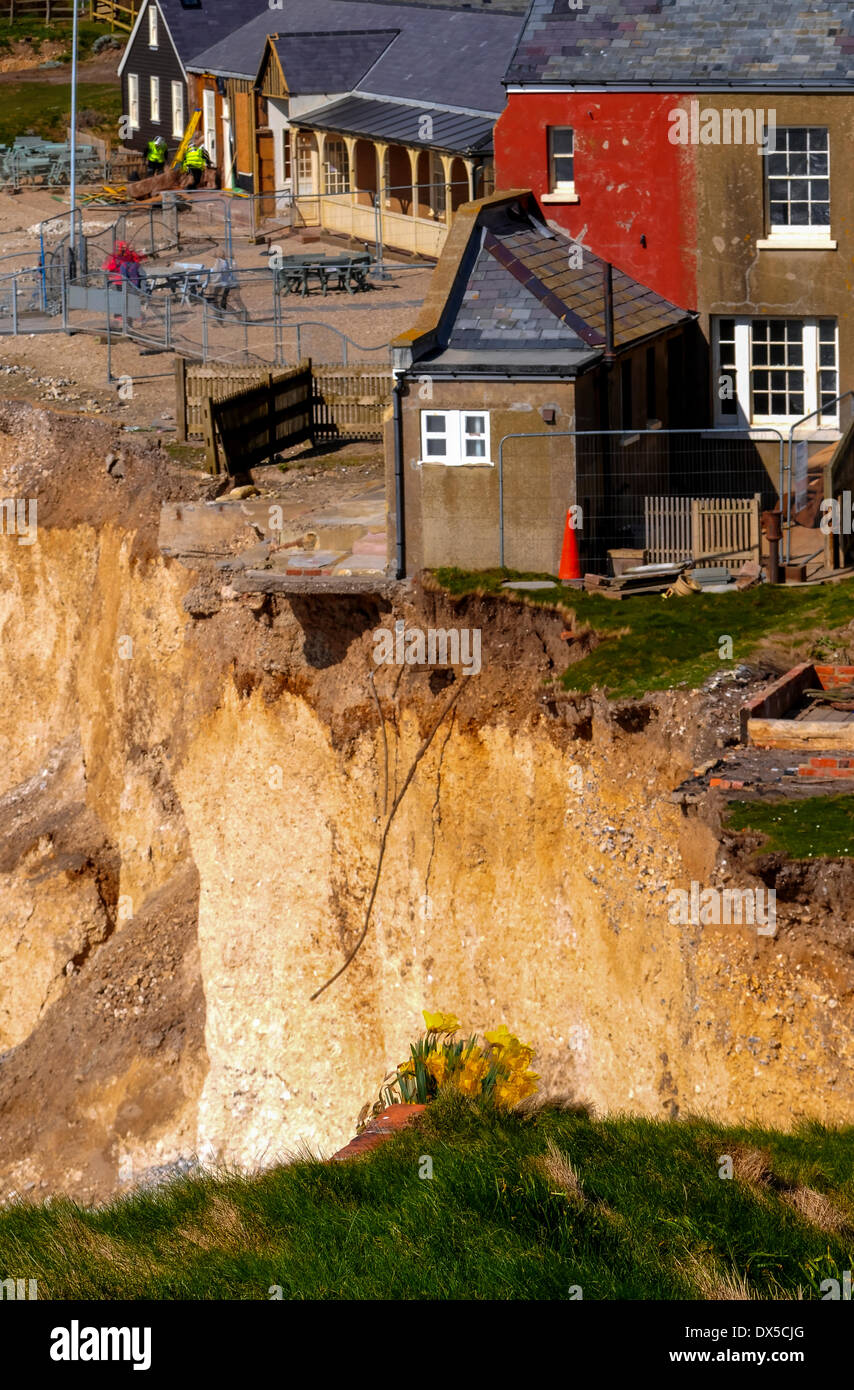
(654, 643)
(44, 107)
(653, 1218)
(37, 33)
(820, 827)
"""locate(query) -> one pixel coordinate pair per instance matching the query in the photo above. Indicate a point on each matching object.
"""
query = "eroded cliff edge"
(195, 785)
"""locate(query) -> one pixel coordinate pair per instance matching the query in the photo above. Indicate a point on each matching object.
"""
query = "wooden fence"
(119, 14)
(251, 426)
(667, 529)
(350, 401)
(45, 11)
(347, 402)
(707, 530)
(115, 13)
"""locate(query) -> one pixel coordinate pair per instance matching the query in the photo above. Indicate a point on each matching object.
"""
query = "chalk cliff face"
(193, 811)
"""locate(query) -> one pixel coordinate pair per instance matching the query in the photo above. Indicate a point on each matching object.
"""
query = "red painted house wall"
(630, 180)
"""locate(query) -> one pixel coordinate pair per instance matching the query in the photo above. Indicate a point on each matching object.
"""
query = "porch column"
(380, 147)
(321, 162)
(447, 163)
(413, 176)
(350, 143)
(469, 163)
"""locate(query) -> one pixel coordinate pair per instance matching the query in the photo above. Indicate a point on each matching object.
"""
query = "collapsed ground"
(138, 1031)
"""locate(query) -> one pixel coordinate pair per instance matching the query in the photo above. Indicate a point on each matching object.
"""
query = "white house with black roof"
(153, 73)
(346, 104)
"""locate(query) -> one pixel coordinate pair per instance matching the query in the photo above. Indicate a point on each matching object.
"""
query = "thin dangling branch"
(398, 799)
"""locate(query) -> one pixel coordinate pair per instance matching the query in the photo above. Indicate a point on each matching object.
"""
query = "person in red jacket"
(123, 264)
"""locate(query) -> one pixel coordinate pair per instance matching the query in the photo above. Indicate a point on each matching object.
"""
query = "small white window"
(133, 101)
(178, 108)
(434, 434)
(561, 159)
(475, 436)
(152, 26)
(154, 91)
(455, 437)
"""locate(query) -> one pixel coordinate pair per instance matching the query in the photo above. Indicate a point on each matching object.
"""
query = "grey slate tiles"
(688, 43)
(524, 296)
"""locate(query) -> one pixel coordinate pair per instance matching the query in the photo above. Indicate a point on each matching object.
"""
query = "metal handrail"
(821, 410)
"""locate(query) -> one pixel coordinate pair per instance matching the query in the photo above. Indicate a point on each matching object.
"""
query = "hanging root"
(398, 799)
(385, 741)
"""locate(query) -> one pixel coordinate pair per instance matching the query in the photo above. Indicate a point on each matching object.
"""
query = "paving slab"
(361, 564)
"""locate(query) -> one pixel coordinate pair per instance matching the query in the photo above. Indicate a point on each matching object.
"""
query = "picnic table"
(180, 280)
(348, 273)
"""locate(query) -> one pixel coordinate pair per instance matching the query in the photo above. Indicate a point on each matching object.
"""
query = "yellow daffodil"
(441, 1023)
(437, 1065)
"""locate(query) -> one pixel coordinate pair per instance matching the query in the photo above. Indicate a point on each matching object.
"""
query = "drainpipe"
(608, 290)
(397, 393)
(605, 377)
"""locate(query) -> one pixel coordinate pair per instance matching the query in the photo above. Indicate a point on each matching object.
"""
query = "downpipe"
(397, 422)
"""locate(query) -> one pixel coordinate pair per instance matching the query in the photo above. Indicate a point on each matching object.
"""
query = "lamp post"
(72, 178)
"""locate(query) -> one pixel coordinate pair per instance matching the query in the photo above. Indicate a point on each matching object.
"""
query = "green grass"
(13, 31)
(44, 108)
(820, 827)
(652, 643)
(651, 1217)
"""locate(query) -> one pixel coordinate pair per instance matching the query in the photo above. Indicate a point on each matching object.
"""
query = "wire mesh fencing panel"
(639, 493)
(23, 308)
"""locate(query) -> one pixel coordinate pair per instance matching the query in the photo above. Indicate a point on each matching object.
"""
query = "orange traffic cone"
(570, 567)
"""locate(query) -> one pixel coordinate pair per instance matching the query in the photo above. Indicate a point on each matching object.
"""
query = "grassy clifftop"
(546, 1203)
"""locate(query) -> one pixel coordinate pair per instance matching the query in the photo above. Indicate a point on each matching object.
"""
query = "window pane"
(475, 448)
(436, 448)
(780, 391)
(563, 140)
(798, 187)
(435, 424)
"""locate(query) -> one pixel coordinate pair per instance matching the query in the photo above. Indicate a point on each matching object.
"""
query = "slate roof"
(444, 57)
(330, 61)
(207, 23)
(524, 304)
(687, 44)
(394, 121)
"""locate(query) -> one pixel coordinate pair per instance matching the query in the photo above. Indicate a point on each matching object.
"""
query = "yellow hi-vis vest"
(155, 153)
(194, 159)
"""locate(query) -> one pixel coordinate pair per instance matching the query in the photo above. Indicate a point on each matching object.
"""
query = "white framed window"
(455, 436)
(776, 371)
(337, 166)
(152, 26)
(154, 99)
(178, 108)
(798, 177)
(133, 101)
(306, 151)
(561, 159)
(209, 122)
